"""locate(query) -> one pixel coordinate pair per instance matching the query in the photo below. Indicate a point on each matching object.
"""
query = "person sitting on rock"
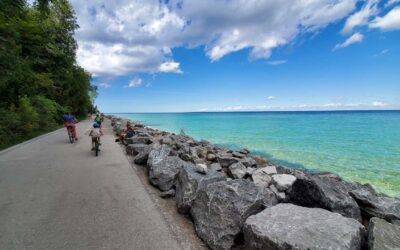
(126, 133)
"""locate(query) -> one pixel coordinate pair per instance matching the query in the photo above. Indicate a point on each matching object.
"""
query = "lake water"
(362, 146)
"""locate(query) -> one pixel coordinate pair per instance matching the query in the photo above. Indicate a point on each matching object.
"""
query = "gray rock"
(211, 157)
(200, 168)
(383, 235)
(226, 160)
(163, 174)
(221, 208)
(134, 149)
(377, 205)
(215, 167)
(261, 179)
(249, 162)
(138, 140)
(168, 194)
(280, 195)
(143, 156)
(158, 153)
(270, 170)
(245, 151)
(287, 226)
(250, 171)
(327, 193)
(238, 155)
(283, 181)
(189, 183)
(237, 170)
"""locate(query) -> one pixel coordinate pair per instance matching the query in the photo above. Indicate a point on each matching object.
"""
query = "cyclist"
(69, 121)
(98, 120)
(95, 133)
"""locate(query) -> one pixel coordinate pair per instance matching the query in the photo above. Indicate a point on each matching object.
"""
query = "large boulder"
(283, 181)
(189, 183)
(134, 149)
(377, 205)
(237, 170)
(327, 193)
(248, 162)
(261, 178)
(163, 174)
(221, 208)
(226, 160)
(383, 235)
(158, 153)
(143, 155)
(287, 226)
(139, 140)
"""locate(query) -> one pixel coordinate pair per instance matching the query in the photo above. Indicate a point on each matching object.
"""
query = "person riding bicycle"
(95, 133)
(98, 120)
(69, 122)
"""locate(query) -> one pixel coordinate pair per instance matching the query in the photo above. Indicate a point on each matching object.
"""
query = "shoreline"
(300, 148)
(200, 176)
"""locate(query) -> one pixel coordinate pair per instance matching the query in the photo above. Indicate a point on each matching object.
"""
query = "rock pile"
(232, 193)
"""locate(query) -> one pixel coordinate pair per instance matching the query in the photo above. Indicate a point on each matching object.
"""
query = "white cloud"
(124, 36)
(104, 85)
(276, 62)
(384, 51)
(355, 38)
(379, 104)
(271, 97)
(391, 21)
(135, 82)
(170, 67)
(361, 17)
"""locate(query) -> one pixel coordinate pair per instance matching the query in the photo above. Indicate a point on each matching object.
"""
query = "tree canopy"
(39, 76)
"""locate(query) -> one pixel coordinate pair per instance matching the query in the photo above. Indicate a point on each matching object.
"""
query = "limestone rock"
(287, 226)
(249, 162)
(168, 194)
(189, 183)
(134, 149)
(138, 140)
(221, 208)
(163, 174)
(215, 167)
(237, 170)
(327, 193)
(283, 181)
(270, 170)
(383, 235)
(226, 160)
(377, 205)
(158, 153)
(261, 179)
(200, 168)
(211, 157)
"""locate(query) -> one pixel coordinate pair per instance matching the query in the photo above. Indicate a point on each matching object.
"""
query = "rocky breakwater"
(236, 198)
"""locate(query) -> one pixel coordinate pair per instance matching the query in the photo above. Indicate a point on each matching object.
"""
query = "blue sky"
(180, 56)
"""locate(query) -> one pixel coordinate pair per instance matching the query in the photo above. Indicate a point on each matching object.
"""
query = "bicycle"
(97, 147)
(71, 134)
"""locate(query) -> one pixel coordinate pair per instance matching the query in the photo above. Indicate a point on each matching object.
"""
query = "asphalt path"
(57, 195)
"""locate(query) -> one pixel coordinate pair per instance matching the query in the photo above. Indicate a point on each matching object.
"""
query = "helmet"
(96, 125)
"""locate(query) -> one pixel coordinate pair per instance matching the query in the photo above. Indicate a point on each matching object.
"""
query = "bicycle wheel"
(96, 148)
(71, 138)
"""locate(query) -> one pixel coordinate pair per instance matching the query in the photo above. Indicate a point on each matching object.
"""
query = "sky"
(241, 55)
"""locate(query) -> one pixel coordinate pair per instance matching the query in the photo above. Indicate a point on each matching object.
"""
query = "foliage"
(39, 76)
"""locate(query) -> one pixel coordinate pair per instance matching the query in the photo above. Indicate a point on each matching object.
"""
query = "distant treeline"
(39, 77)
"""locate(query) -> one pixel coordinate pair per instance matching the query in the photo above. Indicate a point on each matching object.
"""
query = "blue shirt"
(69, 118)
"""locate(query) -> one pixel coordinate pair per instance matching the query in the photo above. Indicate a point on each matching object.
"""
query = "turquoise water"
(359, 146)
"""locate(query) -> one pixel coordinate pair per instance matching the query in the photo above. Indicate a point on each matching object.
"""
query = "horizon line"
(256, 111)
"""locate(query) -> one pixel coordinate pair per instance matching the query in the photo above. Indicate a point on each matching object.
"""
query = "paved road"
(56, 195)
